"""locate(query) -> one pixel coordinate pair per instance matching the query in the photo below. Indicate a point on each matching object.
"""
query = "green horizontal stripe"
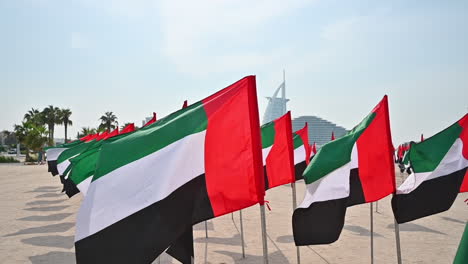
(143, 142)
(268, 134)
(68, 153)
(84, 165)
(336, 153)
(426, 155)
(297, 141)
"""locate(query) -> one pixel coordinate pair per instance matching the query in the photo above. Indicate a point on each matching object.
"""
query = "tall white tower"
(276, 105)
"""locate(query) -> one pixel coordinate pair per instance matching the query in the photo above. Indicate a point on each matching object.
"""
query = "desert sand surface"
(37, 225)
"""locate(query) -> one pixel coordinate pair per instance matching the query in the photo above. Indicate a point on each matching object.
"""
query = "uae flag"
(63, 160)
(302, 151)
(354, 169)
(52, 153)
(438, 173)
(151, 186)
(277, 152)
(84, 165)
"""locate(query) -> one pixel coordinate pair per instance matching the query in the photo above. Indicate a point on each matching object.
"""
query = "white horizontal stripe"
(453, 161)
(84, 185)
(62, 166)
(53, 153)
(265, 153)
(299, 154)
(140, 184)
(333, 186)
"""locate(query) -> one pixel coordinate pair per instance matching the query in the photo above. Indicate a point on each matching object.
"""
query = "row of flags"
(144, 189)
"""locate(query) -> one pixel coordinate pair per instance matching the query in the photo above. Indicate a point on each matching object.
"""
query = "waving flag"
(354, 169)
(151, 186)
(438, 173)
(302, 151)
(277, 148)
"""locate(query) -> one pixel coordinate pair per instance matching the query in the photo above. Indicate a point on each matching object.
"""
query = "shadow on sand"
(453, 220)
(66, 242)
(201, 226)
(275, 257)
(360, 231)
(47, 209)
(45, 189)
(62, 227)
(285, 239)
(41, 218)
(411, 227)
(45, 202)
(232, 241)
(54, 257)
(50, 195)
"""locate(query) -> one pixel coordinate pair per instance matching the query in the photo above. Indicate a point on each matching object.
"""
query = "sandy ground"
(37, 226)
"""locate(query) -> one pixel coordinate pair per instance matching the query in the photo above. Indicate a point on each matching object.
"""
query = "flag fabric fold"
(151, 186)
(438, 168)
(277, 152)
(354, 169)
(302, 151)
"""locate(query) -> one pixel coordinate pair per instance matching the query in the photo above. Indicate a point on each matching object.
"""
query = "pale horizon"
(138, 57)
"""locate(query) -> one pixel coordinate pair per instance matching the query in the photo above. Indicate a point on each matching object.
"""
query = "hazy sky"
(135, 57)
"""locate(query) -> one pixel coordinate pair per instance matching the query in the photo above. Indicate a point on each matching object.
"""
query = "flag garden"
(144, 189)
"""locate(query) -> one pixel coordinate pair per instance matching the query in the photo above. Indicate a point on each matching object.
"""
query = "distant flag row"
(144, 189)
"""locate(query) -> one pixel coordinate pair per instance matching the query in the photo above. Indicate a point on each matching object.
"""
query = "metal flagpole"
(397, 238)
(264, 235)
(293, 185)
(206, 229)
(242, 234)
(397, 234)
(372, 233)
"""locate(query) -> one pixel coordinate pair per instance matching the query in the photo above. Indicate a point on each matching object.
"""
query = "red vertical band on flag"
(233, 157)
(375, 156)
(151, 121)
(464, 135)
(280, 160)
(112, 134)
(304, 135)
(128, 128)
(464, 185)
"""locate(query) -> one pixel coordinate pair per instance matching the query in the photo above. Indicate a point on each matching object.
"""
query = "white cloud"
(218, 36)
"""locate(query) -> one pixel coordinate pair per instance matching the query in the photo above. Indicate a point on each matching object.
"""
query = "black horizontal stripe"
(144, 235)
(52, 167)
(356, 193)
(431, 197)
(320, 223)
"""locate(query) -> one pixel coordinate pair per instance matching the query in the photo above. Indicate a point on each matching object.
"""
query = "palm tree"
(86, 131)
(20, 133)
(51, 117)
(65, 120)
(34, 116)
(108, 121)
(32, 136)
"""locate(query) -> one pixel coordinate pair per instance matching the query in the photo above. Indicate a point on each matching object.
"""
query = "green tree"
(64, 117)
(108, 121)
(33, 136)
(34, 116)
(20, 133)
(51, 117)
(86, 131)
